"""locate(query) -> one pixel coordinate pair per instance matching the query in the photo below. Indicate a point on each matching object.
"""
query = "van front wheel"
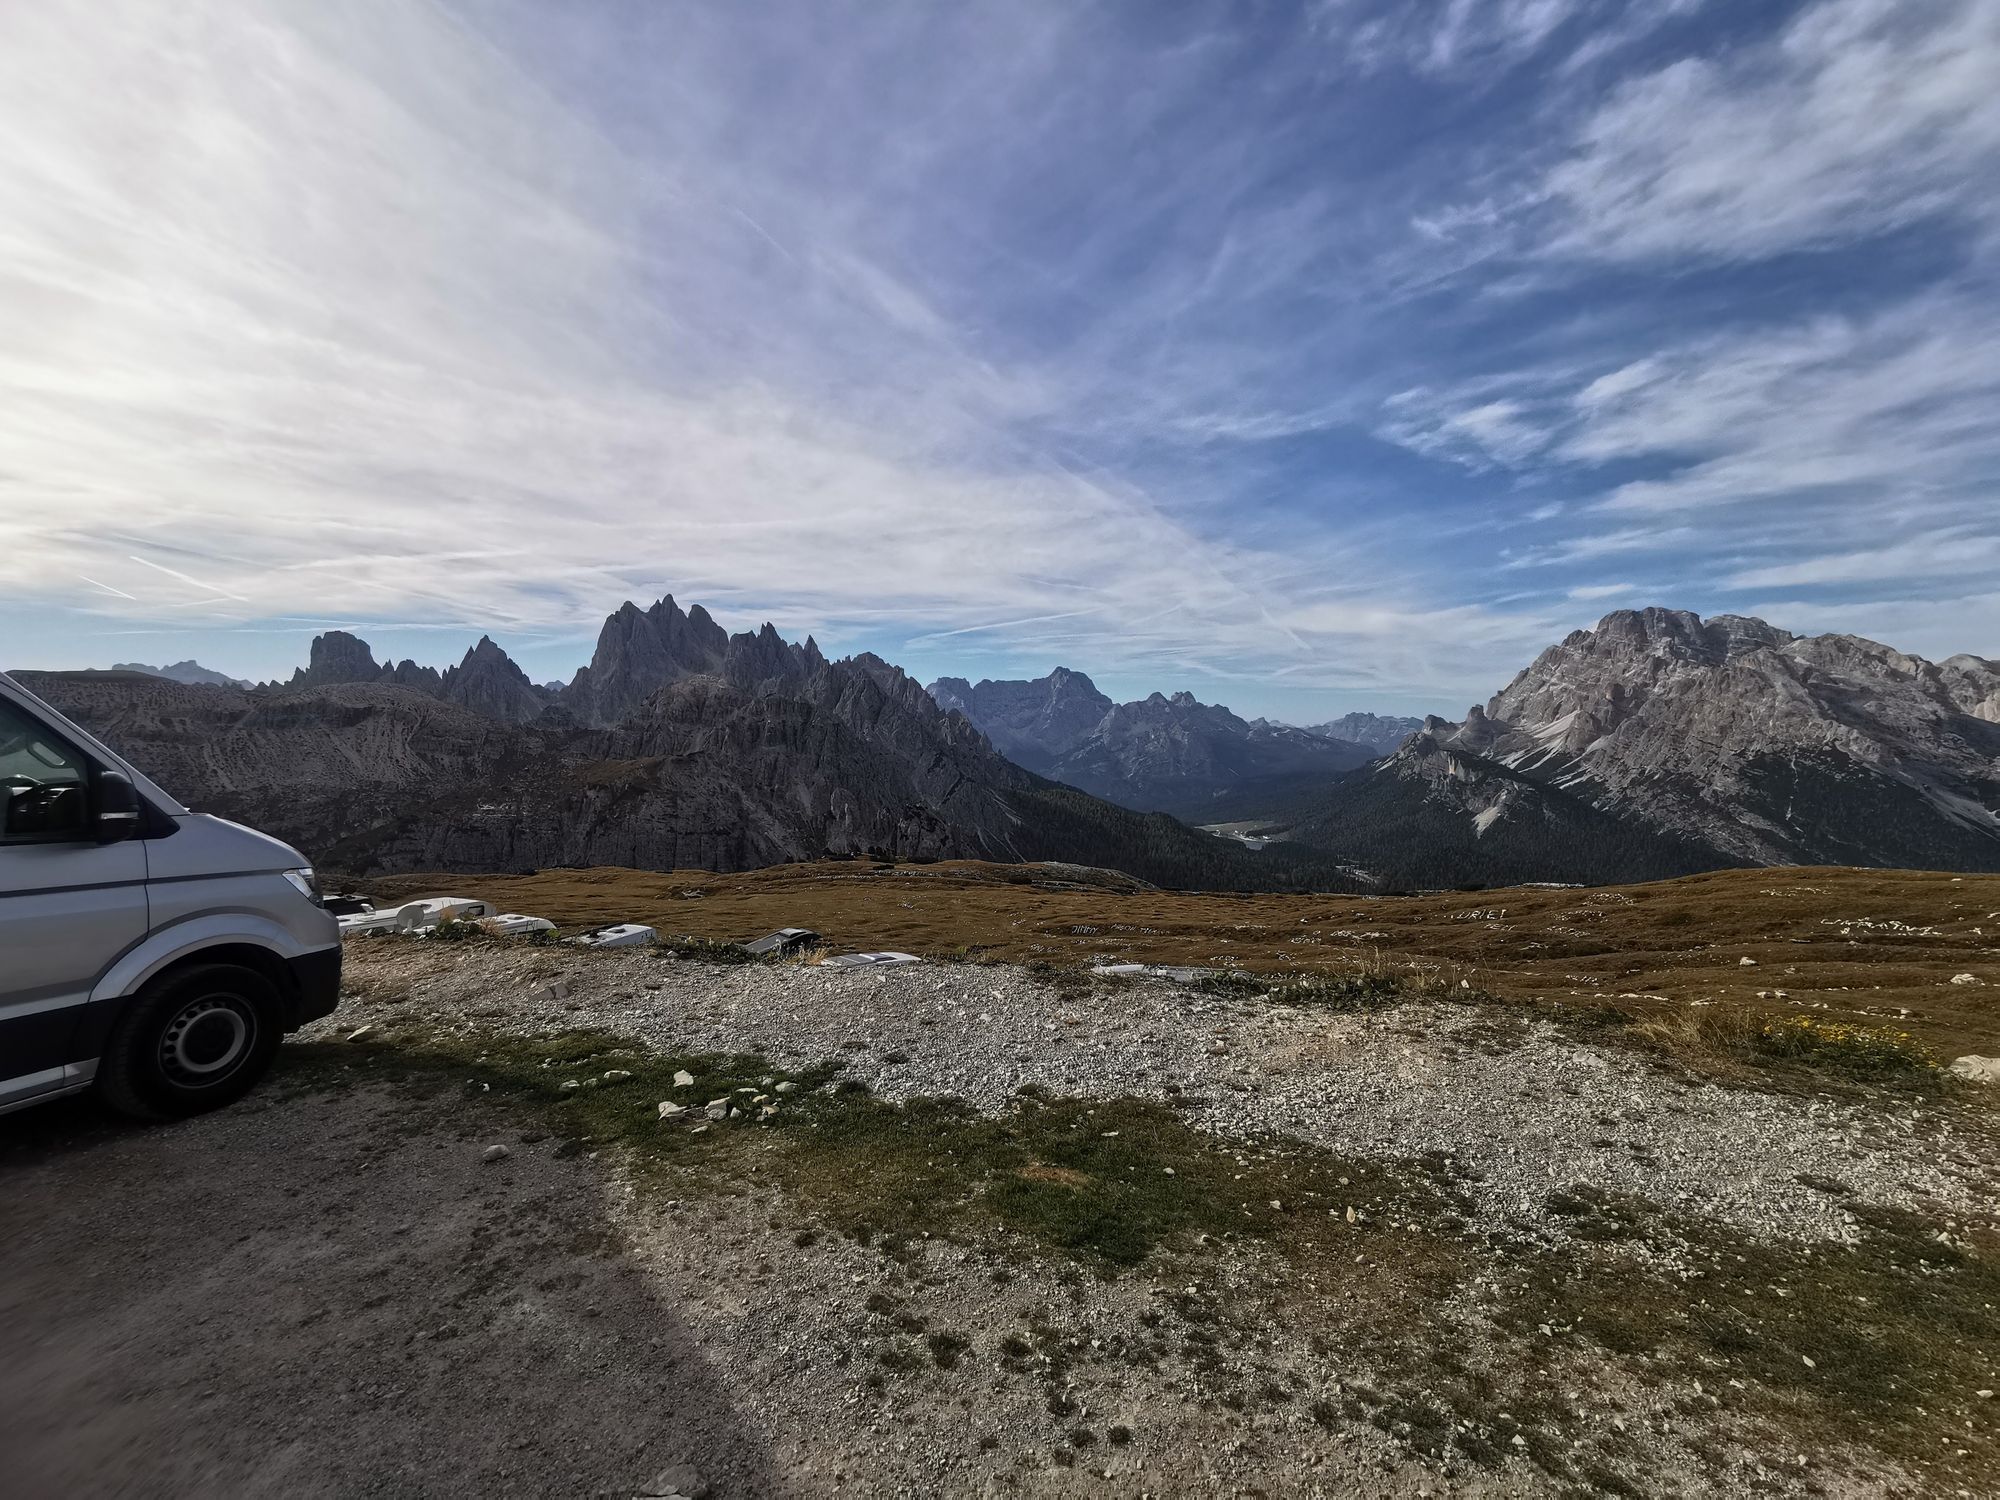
(192, 1040)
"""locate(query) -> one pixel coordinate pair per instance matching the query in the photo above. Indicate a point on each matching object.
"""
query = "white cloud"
(1941, 554)
(1861, 116)
(1462, 426)
(1601, 591)
(1591, 545)
(333, 312)
(1893, 408)
(1446, 38)
(1934, 627)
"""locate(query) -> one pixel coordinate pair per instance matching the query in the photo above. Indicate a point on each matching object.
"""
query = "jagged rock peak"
(337, 657)
(489, 682)
(407, 673)
(639, 652)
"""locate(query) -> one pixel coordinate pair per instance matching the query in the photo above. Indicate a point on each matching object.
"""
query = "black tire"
(192, 1040)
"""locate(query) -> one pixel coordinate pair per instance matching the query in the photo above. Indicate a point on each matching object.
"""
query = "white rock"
(787, 1087)
(1978, 1069)
(718, 1109)
(1965, 979)
(495, 1153)
(1746, 962)
(571, 1083)
(670, 1110)
(616, 1075)
(683, 1079)
(359, 1032)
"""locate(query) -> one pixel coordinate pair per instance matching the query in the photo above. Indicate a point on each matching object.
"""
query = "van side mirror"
(117, 815)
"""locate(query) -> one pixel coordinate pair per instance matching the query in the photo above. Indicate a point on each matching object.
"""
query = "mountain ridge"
(1162, 753)
(773, 755)
(1728, 737)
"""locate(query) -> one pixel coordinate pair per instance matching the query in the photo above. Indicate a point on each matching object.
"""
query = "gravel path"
(1521, 1108)
(330, 1291)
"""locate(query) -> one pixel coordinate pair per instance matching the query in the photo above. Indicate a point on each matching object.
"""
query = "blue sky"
(1312, 357)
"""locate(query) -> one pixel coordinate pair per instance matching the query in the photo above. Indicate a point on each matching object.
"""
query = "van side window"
(43, 791)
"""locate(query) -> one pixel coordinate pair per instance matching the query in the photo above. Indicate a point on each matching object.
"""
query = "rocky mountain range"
(182, 671)
(1175, 754)
(1382, 733)
(1656, 743)
(1032, 723)
(771, 754)
(1704, 743)
(487, 681)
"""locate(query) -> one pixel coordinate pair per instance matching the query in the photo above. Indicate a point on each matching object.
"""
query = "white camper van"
(148, 952)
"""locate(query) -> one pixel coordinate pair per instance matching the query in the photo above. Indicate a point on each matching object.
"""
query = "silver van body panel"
(85, 925)
(66, 911)
(237, 923)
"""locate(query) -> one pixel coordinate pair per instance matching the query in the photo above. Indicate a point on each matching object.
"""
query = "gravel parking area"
(1520, 1108)
(352, 1286)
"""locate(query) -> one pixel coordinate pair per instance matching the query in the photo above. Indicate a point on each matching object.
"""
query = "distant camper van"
(150, 953)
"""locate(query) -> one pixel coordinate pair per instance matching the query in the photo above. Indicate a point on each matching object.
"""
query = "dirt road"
(333, 1294)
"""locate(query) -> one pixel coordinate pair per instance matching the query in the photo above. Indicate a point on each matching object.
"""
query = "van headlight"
(303, 881)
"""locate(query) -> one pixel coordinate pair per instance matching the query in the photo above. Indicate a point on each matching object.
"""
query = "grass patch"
(1804, 1049)
(1863, 1052)
(1104, 1182)
(1899, 1329)
(708, 951)
(1367, 990)
(1887, 1339)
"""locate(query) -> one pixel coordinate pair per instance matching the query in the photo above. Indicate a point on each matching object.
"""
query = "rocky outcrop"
(337, 657)
(1973, 685)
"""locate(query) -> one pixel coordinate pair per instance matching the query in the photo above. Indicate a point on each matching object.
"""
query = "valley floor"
(1393, 1239)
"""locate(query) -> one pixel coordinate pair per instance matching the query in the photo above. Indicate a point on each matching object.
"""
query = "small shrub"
(1231, 982)
(946, 1349)
(1861, 1051)
(709, 951)
(1342, 992)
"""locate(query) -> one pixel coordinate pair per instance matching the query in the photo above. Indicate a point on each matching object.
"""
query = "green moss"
(1888, 1336)
(1102, 1181)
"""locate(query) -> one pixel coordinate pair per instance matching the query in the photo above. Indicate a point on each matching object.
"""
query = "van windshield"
(41, 780)
(27, 753)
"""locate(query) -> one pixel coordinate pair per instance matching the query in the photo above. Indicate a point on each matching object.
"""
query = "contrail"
(172, 573)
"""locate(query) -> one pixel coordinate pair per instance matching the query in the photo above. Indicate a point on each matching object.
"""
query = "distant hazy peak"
(189, 671)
